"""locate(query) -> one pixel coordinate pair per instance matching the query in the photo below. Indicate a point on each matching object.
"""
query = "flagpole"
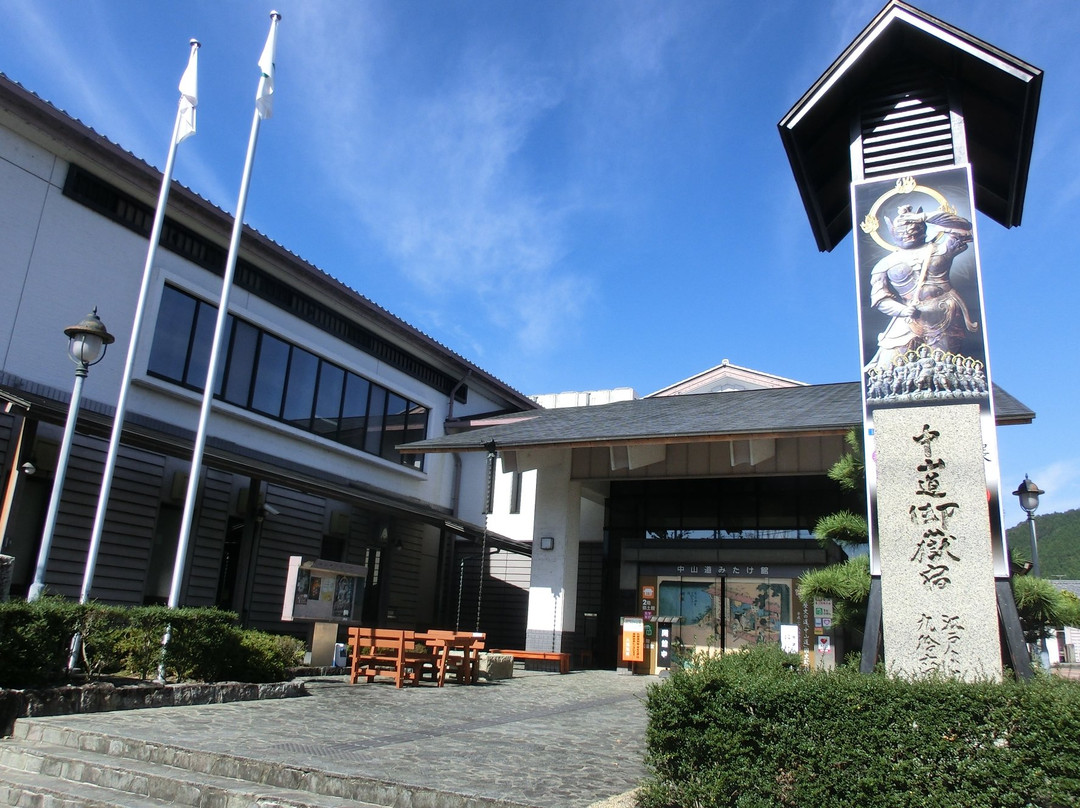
(136, 329)
(261, 111)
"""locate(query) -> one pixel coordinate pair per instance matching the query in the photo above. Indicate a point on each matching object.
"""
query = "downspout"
(455, 487)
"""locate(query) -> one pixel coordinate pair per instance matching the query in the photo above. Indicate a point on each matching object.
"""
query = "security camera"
(270, 509)
(28, 468)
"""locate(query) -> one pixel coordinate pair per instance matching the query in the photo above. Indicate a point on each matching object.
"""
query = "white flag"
(189, 95)
(264, 98)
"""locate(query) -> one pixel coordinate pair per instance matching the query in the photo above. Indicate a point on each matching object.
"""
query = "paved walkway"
(539, 739)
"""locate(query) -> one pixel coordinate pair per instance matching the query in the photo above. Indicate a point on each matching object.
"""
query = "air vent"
(907, 131)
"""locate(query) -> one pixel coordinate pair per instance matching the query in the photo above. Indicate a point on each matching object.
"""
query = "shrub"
(267, 657)
(35, 640)
(105, 640)
(204, 644)
(750, 731)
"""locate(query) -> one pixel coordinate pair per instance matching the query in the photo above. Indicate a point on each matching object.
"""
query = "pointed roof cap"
(998, 95)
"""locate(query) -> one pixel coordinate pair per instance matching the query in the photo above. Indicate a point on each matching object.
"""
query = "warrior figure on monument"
(912, 285)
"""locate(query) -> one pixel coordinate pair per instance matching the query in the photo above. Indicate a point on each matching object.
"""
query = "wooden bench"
(386, 652)
(545, 656)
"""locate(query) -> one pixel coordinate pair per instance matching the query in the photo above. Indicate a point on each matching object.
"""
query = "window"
(397, 410)
(270, 369)
(241, 364)
(169, 354)
(376, 414)
(328, 400)
(515, 492)
(266, 374)
(354, 411)
(300, 388)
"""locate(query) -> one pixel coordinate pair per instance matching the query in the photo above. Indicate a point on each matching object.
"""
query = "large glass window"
(199, 360)
(354, 411)
(241, 364)
(397, 410)
(328, 400)
(171, 348)
(726, 612)
(721, 509)
(270, 370)
(264, 373)
(376, 413)
(300, 388)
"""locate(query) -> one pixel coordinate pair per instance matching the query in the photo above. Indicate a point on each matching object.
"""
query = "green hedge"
(205, 644)
(753, 731)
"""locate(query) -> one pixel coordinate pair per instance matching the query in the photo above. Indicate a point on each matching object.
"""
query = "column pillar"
(553, 586)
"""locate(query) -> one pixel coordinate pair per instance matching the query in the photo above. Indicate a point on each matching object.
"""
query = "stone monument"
(911, 124)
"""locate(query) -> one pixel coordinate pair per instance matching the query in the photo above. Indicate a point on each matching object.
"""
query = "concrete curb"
(98, 697)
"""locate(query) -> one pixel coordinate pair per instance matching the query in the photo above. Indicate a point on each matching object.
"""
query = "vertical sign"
(633, 639)
(823, 648)
(936, 538)
(804, 634)
(663, 645)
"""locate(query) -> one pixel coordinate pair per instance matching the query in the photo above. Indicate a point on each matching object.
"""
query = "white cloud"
(435, 172)
(1061, 482)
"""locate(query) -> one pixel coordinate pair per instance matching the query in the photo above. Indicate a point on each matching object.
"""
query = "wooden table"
(456, 652)
(405, 656)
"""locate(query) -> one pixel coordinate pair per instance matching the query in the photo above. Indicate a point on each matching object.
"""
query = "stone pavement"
(540, 740)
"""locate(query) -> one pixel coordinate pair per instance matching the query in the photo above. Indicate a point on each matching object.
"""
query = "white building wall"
(553, 586)
(60, 259)
(513, 525)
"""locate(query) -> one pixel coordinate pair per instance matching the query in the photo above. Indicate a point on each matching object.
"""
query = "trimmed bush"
(751, 730)
(204, 644)
(35, 640)
(267, 657)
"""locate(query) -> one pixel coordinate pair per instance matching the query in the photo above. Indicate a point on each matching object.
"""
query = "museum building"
(692, 506)
(319, 386)
(341, 432)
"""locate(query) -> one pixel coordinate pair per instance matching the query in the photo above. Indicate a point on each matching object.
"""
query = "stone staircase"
(47, 766)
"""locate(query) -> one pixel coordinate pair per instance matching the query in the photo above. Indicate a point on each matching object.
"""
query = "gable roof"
(997, 93)
(825, 409)
(725, 377)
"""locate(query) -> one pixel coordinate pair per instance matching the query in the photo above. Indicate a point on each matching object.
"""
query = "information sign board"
(323, 591)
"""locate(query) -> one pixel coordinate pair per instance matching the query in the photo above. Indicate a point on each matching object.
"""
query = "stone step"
(22, 789)
(69, 772)
(322, 788)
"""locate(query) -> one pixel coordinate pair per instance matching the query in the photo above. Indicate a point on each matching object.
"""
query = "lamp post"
(1028, 494)
(87, 342)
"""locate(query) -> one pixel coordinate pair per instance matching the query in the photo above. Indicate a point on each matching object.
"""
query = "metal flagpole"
(182, 128)
(263, 109)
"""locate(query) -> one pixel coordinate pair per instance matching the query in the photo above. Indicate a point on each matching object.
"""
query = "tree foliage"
(1043, 607)
(848, 586)
(850, 470)
(843, 527)
(1059, 543)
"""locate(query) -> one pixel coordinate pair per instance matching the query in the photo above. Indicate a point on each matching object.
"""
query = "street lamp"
(87, 342)
(1029, 493)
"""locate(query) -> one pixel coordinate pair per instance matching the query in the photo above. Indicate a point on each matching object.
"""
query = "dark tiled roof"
(812, 409)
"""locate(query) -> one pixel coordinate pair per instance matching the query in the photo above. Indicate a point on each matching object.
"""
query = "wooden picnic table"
(457, 652)
(405, 656)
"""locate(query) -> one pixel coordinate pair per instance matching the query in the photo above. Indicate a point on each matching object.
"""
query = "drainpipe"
(455, 488)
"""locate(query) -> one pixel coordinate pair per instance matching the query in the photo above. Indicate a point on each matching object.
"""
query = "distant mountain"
(1059, 543)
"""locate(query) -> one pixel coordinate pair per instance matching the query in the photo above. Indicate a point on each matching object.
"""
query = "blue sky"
(575, 195)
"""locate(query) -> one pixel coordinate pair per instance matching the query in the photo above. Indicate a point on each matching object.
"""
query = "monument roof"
(997, 93)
